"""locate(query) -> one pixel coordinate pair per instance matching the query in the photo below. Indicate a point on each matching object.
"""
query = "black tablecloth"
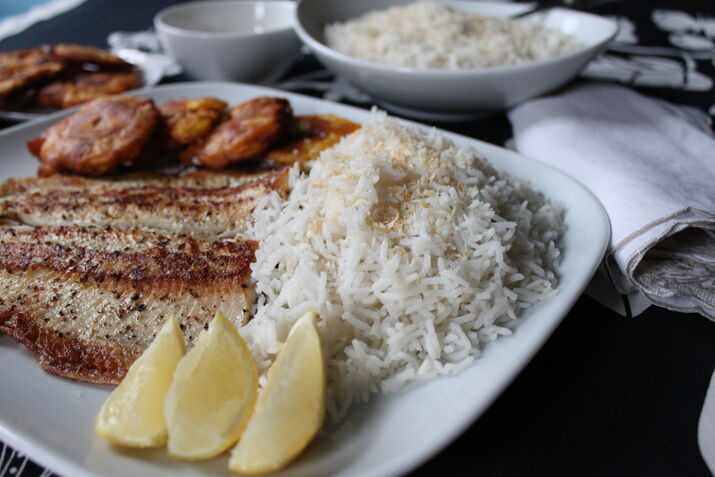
(606, 395)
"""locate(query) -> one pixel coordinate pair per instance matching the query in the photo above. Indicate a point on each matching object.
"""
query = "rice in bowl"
(433, 35)
(414, 253)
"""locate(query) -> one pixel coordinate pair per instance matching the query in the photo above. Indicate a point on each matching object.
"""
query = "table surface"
(606, 395)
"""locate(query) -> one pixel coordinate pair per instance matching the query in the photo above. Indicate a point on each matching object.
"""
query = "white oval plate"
(51, 419)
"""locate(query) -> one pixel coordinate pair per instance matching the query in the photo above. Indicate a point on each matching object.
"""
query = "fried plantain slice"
(24, 68)
(19, 77)
(86, 87)
(252, 128)
(32, 56)
(103, 135)
(74, 53)
(189, 120)
(308, 136)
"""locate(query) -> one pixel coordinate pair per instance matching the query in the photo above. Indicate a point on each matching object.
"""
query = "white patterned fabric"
(652, 165)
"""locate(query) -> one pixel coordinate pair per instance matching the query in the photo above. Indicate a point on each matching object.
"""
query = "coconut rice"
(413, 251)
(434, 35)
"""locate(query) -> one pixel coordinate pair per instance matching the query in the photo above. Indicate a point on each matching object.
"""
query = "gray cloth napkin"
(652, 165)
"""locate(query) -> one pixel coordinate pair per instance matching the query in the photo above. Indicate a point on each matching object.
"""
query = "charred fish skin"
(88, 301)
(169, 206)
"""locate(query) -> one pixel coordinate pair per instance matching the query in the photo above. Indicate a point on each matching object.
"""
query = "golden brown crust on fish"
(89, 301)
(252, 128)
(154, 265)
(86, 87)
(173, 206)
(191, 179)
(309, 136)
(189, 120)
(68, 357)
(103, 135)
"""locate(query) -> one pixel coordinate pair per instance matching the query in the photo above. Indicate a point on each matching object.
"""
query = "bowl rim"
(321, 48)
(160, 23)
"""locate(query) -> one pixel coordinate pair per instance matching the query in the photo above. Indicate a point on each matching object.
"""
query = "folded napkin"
(652, 165)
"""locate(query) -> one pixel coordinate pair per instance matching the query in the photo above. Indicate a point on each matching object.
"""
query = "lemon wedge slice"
(213, 394)
(291, 407)
(132, 415)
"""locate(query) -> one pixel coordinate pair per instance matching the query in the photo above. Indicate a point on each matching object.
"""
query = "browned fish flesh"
(88, 301)
(192, 179)
(174, 204)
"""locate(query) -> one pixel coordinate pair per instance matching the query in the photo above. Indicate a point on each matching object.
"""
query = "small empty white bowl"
(249, 41)
(454, 94)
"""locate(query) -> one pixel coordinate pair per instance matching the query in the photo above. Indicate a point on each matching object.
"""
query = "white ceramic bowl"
(454, 94)
(250, 41)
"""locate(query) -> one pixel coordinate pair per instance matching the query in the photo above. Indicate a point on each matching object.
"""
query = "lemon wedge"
(291, 407)
(132, 415)
(213, 394)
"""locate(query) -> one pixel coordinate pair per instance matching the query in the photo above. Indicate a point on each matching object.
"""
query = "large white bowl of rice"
(450, 59)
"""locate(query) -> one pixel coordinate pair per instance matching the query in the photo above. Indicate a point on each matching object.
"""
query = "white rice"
(413, 251)
(433, 35)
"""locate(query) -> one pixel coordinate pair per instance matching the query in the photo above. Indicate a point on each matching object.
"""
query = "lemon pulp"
(291, 407)
(133, 414)
(212, 395)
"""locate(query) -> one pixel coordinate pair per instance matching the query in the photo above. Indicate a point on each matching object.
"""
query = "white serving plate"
(51, 419)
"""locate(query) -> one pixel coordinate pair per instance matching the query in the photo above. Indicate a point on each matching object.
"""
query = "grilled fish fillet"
(194, 179)
(88, 301)
(203, 205)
